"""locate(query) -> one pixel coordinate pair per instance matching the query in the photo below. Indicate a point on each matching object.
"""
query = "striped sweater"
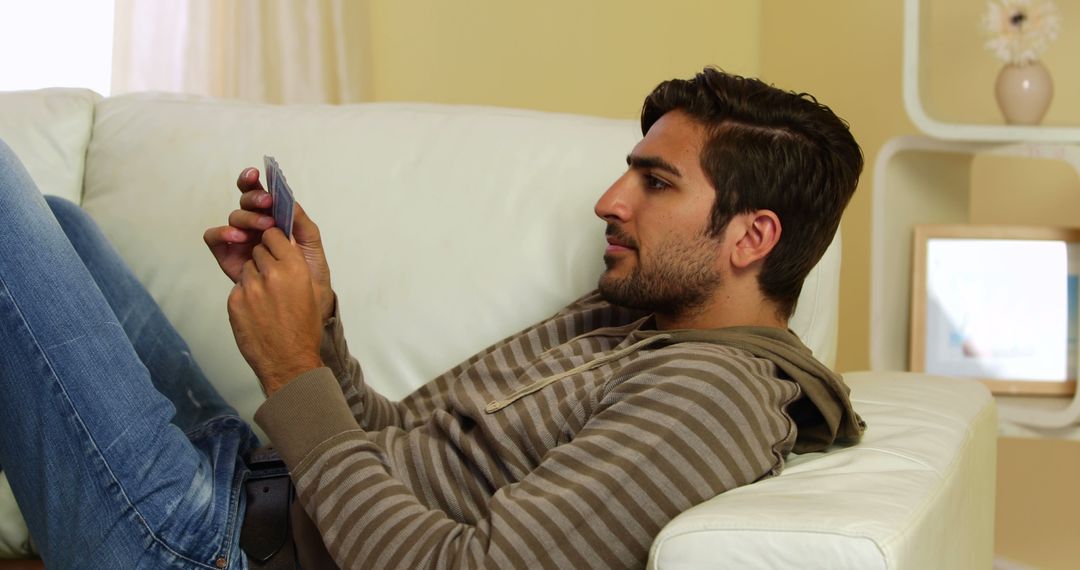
(568, 445)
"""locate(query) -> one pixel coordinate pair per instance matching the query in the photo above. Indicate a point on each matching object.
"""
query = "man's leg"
(102, 476)
(160, 348)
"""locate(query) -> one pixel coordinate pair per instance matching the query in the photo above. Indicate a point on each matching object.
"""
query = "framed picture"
(997, 303)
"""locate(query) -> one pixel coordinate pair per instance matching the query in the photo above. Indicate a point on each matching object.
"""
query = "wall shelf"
(914, 78)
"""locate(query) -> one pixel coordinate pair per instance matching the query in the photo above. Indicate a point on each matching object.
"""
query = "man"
(568, 445)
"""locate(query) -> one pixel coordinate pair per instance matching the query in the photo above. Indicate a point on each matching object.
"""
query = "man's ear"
(761, 233)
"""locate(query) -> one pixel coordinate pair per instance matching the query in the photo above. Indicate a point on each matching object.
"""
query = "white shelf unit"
(924, 180)
(915, 53)
(927, 180)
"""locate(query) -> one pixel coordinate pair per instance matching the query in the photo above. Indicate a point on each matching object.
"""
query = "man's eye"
(654, 183)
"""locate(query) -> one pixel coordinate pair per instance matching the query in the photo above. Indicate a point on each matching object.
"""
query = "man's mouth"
(618, 241)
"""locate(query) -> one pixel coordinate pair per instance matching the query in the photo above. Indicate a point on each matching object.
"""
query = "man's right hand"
(231, 245)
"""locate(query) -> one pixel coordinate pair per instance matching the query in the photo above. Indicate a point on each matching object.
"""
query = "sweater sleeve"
(372, 410)
(657, 443)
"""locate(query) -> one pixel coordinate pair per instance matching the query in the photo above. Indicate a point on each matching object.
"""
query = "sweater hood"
(824, 414)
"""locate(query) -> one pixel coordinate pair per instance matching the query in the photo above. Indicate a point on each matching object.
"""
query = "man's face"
(659, 257)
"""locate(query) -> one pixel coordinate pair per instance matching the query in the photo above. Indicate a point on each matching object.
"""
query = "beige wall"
(598, 57)
(1037, 503)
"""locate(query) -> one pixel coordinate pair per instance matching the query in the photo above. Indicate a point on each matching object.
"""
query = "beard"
(676, 279)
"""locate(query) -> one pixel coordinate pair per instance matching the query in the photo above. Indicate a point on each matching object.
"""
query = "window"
(56, 43)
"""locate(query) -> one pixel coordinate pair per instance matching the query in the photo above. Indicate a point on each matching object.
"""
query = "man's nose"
(614, 204)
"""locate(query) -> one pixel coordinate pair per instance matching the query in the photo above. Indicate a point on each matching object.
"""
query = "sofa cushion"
(49, 130)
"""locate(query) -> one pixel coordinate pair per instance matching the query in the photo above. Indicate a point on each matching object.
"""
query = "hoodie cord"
(496, 405)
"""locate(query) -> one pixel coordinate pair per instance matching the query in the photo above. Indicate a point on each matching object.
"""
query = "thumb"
(305, 230)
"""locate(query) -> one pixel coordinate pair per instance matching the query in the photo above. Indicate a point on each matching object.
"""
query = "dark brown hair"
(774, 150)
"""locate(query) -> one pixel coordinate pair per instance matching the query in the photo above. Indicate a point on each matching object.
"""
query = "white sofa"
(449, 227)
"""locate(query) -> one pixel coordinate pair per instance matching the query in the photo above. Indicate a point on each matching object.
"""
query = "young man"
(568, 445)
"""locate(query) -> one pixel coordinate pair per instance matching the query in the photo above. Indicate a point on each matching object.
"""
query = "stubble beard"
(677, 280)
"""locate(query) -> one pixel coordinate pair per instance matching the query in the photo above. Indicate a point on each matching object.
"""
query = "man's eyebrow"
(652, 162)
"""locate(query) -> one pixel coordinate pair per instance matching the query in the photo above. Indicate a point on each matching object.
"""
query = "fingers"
(249, 274)
(250, 220)
(279, 246)
(273, 247)
(231, 245)
(275, 258)
(301, 214)
(256, 200)
(249, 180)
(262, 257)
(225, 235)
(305, 230)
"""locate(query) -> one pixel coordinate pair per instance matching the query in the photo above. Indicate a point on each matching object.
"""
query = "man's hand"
(232, 245)
(274, 312)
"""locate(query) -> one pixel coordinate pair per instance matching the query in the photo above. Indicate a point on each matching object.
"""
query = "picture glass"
(1002, 309)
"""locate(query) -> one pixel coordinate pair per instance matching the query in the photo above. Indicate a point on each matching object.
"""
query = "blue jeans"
(119, 452)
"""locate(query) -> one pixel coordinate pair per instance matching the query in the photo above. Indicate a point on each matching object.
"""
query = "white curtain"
(276, 51)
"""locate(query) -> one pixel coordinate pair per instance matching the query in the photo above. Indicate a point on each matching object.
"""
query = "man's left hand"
(274, 313)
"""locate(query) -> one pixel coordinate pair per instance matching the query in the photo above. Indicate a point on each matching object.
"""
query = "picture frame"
(998, 304)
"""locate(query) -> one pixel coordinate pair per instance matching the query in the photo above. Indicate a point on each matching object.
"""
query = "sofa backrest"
(447, 227)
(49, 130)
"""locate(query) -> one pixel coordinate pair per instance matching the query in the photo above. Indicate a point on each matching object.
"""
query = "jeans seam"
(82, 426)
(233, 514)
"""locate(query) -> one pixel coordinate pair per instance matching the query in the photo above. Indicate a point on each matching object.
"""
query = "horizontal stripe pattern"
(580, 474)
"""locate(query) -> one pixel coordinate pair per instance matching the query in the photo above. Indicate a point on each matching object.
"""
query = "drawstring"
(496, 405)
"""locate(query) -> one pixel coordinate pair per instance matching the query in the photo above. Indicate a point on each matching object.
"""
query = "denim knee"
(66, 212)
(59, 204)
(6, 154)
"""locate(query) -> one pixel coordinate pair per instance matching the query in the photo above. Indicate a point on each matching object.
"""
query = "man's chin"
(610, 280)
(605, 293)
(612, 288)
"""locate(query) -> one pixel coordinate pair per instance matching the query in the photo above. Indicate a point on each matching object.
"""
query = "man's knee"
(12, 170)
(62, 206)
(6, 154)
(72, 218)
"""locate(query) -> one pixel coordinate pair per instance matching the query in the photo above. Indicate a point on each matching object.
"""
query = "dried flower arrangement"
(1019, 31)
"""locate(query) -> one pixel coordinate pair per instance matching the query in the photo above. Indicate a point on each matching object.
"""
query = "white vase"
(1024, 93)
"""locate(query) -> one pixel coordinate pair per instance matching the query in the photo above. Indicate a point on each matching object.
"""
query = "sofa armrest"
(916, 492)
